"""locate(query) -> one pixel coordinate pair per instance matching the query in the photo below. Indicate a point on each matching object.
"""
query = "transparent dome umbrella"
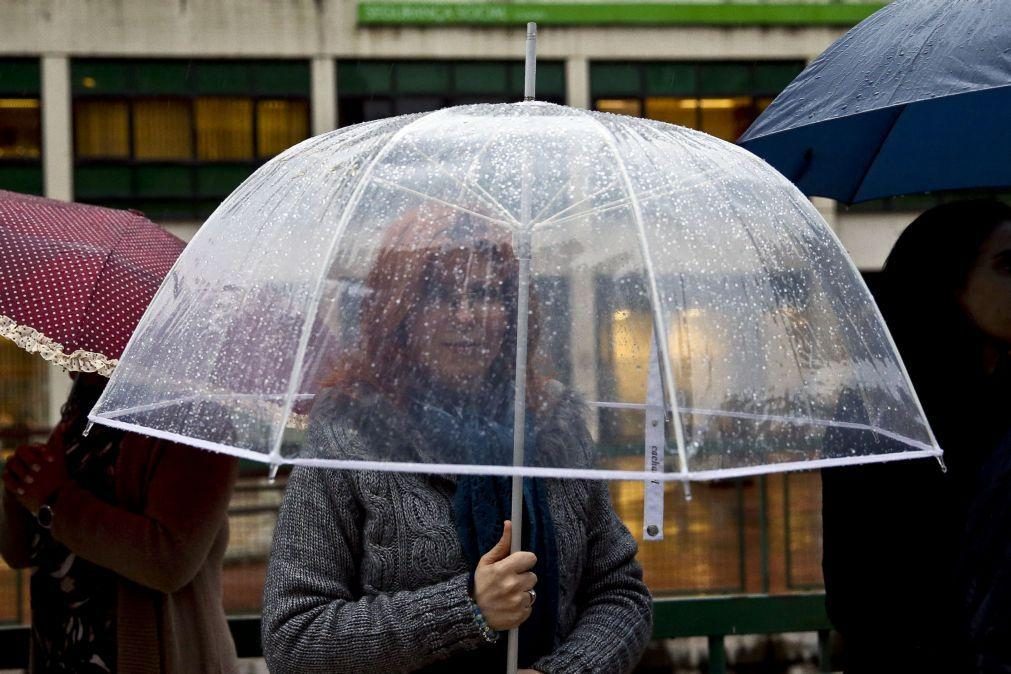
(639, 235)
(403, 278)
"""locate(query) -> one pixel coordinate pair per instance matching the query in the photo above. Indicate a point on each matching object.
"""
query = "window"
(368, 90)
(722, 99)
(20, 126)
(173, 138)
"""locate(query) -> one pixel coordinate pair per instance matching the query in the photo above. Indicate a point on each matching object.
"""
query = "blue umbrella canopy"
(916, 98)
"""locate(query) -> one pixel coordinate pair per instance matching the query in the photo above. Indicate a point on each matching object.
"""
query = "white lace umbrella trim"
(33, 341)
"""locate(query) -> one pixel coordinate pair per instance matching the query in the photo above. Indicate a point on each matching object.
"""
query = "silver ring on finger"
(533, 597)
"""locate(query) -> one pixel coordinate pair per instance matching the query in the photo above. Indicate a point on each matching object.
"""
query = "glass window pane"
(25, 178)
(224, 128)
(615, 79)
(681, 111)
(550, 80)
(364, 77)
(278, 78)
(162, 129)
(725, 78)
(100, 77)
(101, 129)
(20, 128)
(727, 118)
(19, 77)
(423, 78)
(482, 78)
(771, 78)
(221, 78)
(163, 181)
(671, 78)
(100, 181)
(280, 124)
(162, 78)
(621, 106)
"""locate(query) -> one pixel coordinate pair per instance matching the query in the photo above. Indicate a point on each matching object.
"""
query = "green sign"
(615, 13)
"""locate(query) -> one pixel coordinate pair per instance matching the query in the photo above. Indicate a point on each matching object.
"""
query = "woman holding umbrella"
(392, 572)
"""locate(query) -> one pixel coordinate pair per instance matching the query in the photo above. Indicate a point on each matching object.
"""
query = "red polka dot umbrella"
(75, 279)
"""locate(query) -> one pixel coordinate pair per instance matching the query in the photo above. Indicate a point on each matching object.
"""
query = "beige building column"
(324, 94)
(58, 177)
(577, 83)
(57, 139)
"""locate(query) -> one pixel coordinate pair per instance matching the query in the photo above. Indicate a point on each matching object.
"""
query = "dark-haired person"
(918, 561)
(125, 536)
(393, 572)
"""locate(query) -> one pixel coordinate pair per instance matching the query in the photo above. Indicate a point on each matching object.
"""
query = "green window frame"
(188, 171)
(20, 125)
(374, 89)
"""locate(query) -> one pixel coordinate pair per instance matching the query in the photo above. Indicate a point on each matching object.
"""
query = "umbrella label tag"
(652, 519)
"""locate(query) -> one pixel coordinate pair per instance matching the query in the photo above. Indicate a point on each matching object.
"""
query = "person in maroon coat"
(125, 535)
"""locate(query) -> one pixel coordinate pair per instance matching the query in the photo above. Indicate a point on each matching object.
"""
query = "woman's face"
(458, 330)
(986, 297)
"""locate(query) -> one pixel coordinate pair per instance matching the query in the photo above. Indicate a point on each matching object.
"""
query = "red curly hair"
(417, 251)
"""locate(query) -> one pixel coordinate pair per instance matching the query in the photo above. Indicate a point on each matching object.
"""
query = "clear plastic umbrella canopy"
(666, 305)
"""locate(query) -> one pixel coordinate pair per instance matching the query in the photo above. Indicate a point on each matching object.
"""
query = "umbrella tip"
(87, 429)
(272, 475)
(688, 490)
(944, 466)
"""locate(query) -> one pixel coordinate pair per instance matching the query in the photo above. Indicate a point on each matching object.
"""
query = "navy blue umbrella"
(916, 98)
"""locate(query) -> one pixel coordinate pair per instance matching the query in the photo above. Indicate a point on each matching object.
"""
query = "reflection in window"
(224, 128)
(20, 128)
(102, 129)
(162, 129)
(279, 125)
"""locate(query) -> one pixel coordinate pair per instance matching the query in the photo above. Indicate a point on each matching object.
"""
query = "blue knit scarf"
(482, 503)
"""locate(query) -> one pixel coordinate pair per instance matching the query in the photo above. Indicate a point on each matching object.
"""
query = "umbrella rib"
(473, 188)
(352, 203)
(648, 195)
(654, 291)
(458, 207)
(552, 218)
(877, 153)
(797, 204)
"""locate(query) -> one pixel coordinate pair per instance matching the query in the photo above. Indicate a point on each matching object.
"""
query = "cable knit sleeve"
(615, 607)
(316, 617)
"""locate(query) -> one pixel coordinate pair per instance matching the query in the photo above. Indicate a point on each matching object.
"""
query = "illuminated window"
(621, 106)
(162, 129)
(224, 128)
(20, 126)
(172, 137)
(102, 129)
(279, 125)
(720, 98)
(368, 90)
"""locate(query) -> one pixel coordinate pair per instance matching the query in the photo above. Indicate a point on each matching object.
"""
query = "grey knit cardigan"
(366, 572)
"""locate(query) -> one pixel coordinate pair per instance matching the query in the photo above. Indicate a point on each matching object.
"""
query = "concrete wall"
(305, 28)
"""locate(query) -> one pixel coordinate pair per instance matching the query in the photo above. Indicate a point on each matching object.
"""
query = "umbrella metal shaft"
(522, 321)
